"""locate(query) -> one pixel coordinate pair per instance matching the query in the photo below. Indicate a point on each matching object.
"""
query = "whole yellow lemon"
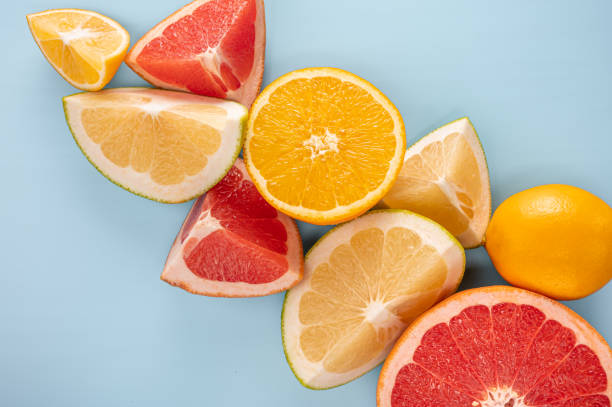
(553, 239)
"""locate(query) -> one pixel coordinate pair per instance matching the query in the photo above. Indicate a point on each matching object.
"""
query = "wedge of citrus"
(323, 145)
(84, 47)
(445, 177)
(364, 282)
(234, 244)
(163, 145)
(209, 47)
(498, 347)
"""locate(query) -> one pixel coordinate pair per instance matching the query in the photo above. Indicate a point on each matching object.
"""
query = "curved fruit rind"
(177, 273)
(474, 236)
(433, 234)
(338, 214)
(141, 184)
(549, 239)
(249, 89)
(405, 346)
(112, 62)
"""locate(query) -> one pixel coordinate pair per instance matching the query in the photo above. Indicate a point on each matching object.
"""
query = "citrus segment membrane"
(209, 47)
(85, 47)
(164, 145)
(323, 144)
(364, 282)
(498, 351)
(233, 243)
(445, 177)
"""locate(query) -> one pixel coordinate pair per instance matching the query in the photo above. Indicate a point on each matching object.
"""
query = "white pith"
(79, 33)
(314, 374)
(177, 273)
(475, 231)
(140, 182)
(337, 214)
(403, 352)
(209, 58)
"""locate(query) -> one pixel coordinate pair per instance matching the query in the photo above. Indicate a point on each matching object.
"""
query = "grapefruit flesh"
(209, 47)
(498, 347)
(234, 244)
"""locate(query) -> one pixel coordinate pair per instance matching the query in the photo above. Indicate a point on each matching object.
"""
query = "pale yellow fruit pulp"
(168, 146)
(445, 177)
(364, 283)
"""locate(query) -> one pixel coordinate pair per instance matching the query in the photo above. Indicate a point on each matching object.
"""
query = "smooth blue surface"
(84, 318)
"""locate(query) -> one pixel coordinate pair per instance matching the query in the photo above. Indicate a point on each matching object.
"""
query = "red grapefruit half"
(498, 347)
(209, 47)
(234, 244)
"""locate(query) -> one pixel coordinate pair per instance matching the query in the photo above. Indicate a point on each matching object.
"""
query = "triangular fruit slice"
(445, 177)
(234, 244)
(84, 47)
(498, 346)
(209, 47)
(163, 145)
(364, 282)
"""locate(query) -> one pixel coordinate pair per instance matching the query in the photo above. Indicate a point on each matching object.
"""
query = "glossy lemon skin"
(553, 239)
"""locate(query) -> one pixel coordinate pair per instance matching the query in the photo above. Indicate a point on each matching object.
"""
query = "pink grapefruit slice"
(498, 347)
(209, 47)
(234, 244)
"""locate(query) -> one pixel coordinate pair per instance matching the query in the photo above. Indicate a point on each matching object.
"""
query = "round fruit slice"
(498, 346)
(84, 47)
(234, 244)
(364, 282)
(445, 177)
(163, 145)
(323, 145)
(209, 47)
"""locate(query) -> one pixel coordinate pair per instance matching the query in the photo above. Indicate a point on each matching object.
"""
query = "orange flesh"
(322, 142)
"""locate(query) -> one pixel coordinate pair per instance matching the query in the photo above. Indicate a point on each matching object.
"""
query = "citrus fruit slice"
(234, 244)
(209, 47)
(364, 282)
(163, 145)
(323, 145)
(445, 177)
(84, 47)
(498, 346)
(553, 239)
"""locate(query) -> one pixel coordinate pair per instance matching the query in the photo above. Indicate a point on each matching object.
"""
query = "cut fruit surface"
(445, 177)
(323, 145)
(364, 282)
(234, 244)
(209, 47)
(498, 346)
(84, 47)
(163, 145)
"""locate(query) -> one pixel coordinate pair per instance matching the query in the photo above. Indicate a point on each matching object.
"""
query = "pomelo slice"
(364, 282)
(209, 47)
(498, 347)
(162, 145)
(234, 244)
(445, 177)
(323, 145)
(84, 47)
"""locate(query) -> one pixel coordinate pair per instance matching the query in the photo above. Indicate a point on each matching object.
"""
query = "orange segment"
(364, 282)
(85, 47)
(445, 178)
(323, 144)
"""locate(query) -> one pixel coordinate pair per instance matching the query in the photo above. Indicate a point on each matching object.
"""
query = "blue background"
(84, 318)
